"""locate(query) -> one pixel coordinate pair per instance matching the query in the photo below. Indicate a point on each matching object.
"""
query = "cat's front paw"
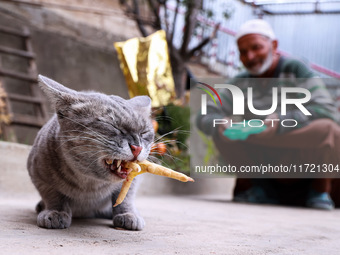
(129, 221)
(54, 219)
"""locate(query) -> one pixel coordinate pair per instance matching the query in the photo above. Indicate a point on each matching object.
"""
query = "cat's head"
(99, 133)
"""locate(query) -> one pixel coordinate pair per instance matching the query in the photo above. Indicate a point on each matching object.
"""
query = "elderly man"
(315, 139)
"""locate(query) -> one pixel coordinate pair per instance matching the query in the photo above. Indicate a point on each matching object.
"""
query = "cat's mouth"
(117, 167)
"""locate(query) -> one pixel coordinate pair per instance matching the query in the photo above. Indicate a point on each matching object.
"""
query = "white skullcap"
(256, 26)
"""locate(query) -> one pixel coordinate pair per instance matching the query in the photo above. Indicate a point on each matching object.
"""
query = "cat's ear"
(141, 104)
(58, 93)
(53, 88)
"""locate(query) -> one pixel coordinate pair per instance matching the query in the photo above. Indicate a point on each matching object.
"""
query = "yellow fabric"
(146, 66)
(4, 116)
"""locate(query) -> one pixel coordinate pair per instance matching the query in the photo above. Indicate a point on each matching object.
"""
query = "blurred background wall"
(74, 47)
(73, 40)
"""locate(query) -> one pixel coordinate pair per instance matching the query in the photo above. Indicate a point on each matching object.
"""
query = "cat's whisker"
(71, 138)
(85, 145)
(173, 159)
(97, 139)
(152, 159)
(172, 132)
(172, 142)
(168, 154)
(84, 152)
(97, 159)
(98, 146)
(167, 142)
(164, 118)
(98, 134)
(95, 155)
(79, 131)
(163, 162)
(160, 137)
(80, 138)
(154, 145)
(179, 131)
(82, 131)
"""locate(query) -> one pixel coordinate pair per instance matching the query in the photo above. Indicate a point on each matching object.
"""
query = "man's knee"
(328, 132)
(325, 125)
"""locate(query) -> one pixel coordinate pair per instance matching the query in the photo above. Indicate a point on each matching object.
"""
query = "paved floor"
(176, 225)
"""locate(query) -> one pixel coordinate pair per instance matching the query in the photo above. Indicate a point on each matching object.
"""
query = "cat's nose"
(135, 150)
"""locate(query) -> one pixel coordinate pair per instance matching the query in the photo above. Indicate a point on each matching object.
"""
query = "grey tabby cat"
(77, 160)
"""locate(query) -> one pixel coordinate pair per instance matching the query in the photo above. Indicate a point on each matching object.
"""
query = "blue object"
(319, 200)
(239, 132)
(257, 195)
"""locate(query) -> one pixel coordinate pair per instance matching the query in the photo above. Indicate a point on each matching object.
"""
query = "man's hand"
(223, 127)
(272, 122)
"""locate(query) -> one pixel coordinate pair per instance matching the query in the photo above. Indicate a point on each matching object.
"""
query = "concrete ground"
(177, 225)
(196, 224)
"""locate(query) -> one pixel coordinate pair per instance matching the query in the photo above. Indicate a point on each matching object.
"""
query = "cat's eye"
(145, 134)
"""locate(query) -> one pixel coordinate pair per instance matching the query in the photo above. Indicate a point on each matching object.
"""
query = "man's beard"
(265, 66)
